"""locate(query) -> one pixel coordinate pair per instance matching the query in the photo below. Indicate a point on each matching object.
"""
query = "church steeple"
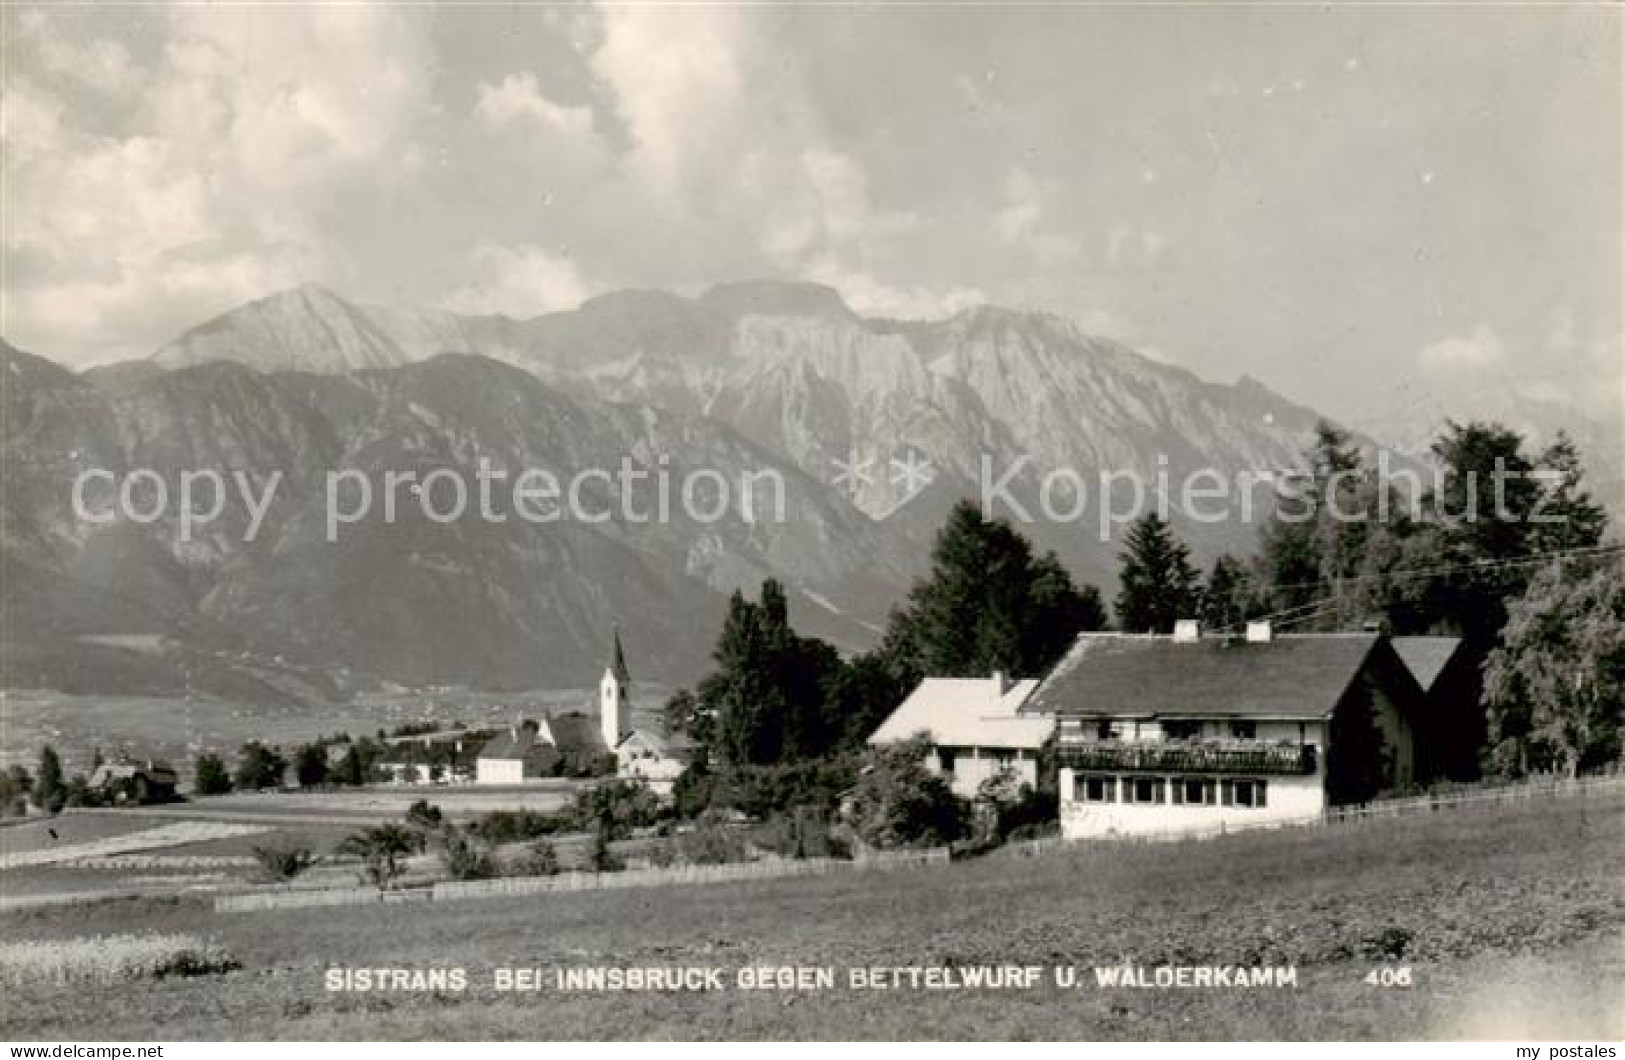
(619, 657)
(614, 703)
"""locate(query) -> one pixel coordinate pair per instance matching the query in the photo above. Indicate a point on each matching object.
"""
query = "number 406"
(1389, 976)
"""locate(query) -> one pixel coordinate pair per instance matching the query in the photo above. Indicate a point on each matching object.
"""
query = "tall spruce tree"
(1314, 543)
(1494, 503)
(50, 789)
(1227, 598)
(988, 604)
(1158, 585)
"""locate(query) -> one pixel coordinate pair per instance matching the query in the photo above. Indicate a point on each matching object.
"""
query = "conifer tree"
(1158, 583)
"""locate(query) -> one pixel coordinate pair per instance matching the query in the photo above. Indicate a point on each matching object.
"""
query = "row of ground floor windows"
(1181, 791)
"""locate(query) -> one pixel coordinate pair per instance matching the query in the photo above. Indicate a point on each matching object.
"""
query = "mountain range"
(874, 427)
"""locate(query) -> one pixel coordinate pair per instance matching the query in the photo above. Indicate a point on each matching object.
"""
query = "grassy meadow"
(1510, 918)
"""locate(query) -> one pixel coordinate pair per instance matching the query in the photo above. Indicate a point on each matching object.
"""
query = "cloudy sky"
(1348, 203)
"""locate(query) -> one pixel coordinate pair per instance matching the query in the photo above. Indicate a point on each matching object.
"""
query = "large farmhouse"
(1191, 733)
(973, 727)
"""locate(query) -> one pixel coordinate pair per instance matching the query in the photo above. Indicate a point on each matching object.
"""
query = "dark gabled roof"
(576, 732)
(1131, 675)
(1426, 657)
(511, 743)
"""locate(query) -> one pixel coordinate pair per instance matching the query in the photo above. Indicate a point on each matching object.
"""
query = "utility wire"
(1316, 608)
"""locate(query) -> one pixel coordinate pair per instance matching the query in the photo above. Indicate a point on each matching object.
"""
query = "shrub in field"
(604, 859)
(762, 791)
(212, 777)
(424, 815)
(536, 859)
(282, 860)
(1005, 806)
(617, 807)
(259, 767)
(513, 826)
(81, 795)
(109, 959)
(800, 832)
(712, 841)
(16, 785)
(900, 803)
(464, 856)
(381, 849)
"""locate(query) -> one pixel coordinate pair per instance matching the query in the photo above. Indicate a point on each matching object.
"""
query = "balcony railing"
(1187, 756)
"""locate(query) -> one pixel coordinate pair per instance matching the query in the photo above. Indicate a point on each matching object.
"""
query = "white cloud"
(1017, 224)
(517, 281)
(870, 296)
(518, 97)
(1023, 206)
(678, 86)
(30, 122)
(1482, 349)
(1128, 246)
(220, 184)
(101, 65)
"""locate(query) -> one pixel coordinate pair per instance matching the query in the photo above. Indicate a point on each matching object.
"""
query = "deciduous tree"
(1555, 684)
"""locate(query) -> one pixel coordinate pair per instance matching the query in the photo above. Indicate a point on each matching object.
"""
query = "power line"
(1316, 608)
(1483, 564)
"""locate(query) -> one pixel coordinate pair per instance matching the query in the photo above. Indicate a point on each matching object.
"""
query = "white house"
(521, 753)
(974, 729)
(650, 757)
(1190, 733)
